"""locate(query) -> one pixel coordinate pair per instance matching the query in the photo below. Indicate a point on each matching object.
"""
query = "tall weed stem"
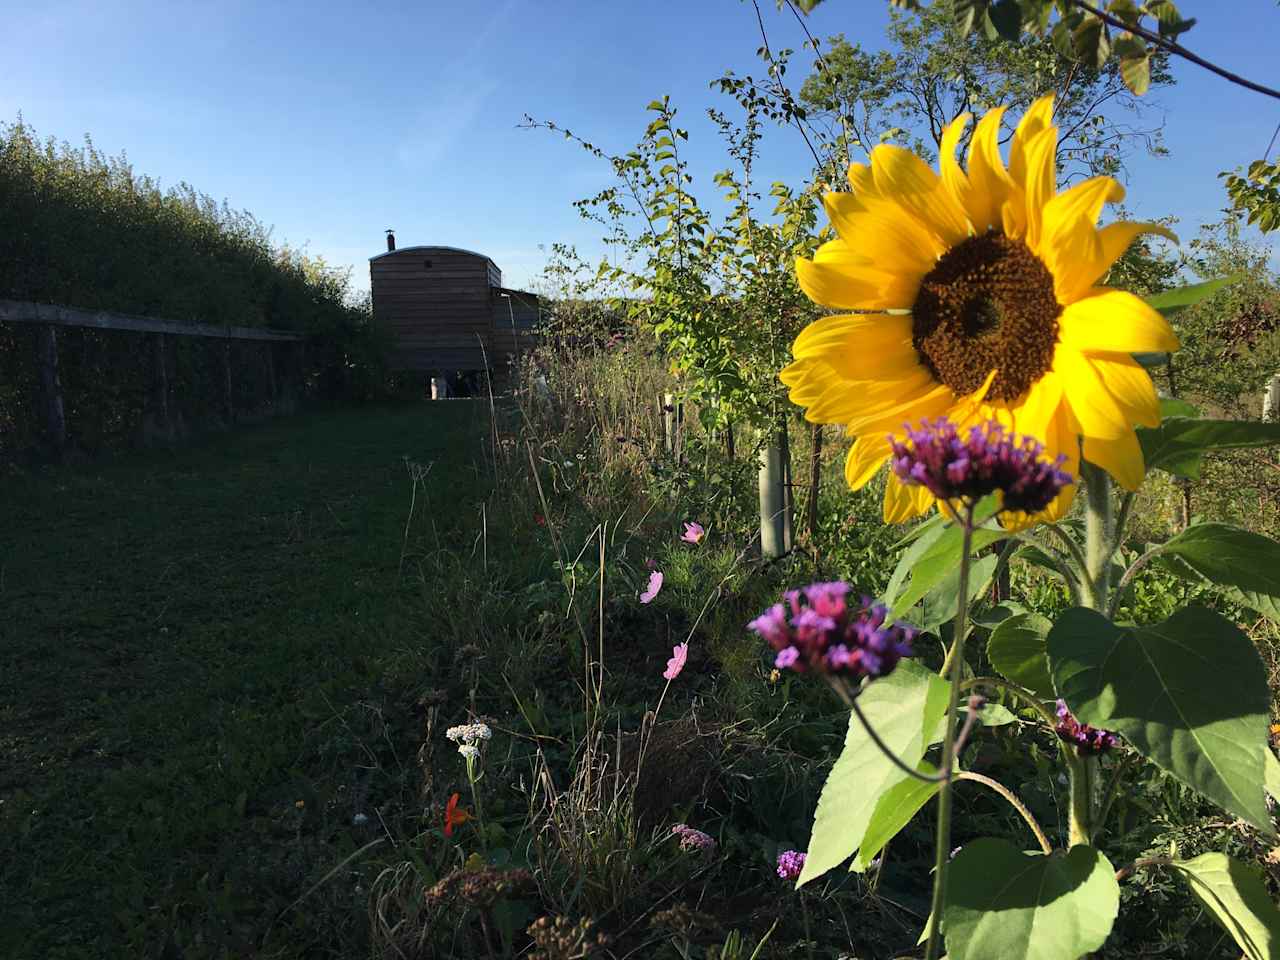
(955, 661)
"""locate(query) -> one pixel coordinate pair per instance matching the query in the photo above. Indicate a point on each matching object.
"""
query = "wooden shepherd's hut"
(447, 309)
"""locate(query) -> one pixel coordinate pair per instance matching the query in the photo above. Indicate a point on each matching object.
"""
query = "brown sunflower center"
(987, 305)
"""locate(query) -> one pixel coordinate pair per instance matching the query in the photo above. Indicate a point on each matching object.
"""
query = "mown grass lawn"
(198, 683)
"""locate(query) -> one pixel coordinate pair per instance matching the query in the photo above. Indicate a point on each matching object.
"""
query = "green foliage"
(895, 809)
(1238, 899)
(906, 708)
(1230, 557)
(1256, 194)
(84, 230)
(1179, 444)
(721, 298)
(1016, 649)
(1189, 693)
(1027, 906)
(1144, 30)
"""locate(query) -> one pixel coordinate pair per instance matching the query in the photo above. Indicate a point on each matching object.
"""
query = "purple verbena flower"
(1085, 738)
(817, 629)
(692, 839)
(790, 863)
(985, 459)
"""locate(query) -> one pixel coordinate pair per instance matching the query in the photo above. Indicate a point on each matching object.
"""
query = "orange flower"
(453, 817)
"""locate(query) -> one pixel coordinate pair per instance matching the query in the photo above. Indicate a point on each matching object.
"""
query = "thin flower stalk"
(942, 842)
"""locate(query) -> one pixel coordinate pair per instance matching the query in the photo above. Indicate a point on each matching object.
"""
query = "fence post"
(668, 408)
(160, 387)
(271, 375)
(228, 404)
(1271, 400)
(51, 409)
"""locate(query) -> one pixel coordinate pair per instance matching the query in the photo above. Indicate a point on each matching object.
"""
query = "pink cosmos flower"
(655, 584)
(679, 654)
(693, 532)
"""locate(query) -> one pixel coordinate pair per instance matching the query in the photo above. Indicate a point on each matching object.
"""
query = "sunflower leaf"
(1171, 301)
(1238, 900)
(1004, 903)
(1016, 649)
(1190, 694)
(1229, 556)
(1178, 445)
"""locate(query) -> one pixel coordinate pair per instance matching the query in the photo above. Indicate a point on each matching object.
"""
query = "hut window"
(426, 264)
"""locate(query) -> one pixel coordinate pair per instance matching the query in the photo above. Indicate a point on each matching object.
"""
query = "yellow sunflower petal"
(953, 177)
(839, 278)
(845, 400)
(906, 179)
(1115, 321)
(1077, 208)
(903, 503)
(1131, 387)
(1035, 413)
(866, 457)
(1039, 117)
(883, 235)
(1041, 180)
(990, 181)
(936, 402)
(1092, 404)
(861, 346)
(1121, 457)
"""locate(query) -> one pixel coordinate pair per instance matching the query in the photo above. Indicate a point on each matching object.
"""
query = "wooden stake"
(52, 412)
(815, 480)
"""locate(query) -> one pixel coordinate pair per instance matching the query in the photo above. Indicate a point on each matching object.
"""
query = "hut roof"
(392, 253)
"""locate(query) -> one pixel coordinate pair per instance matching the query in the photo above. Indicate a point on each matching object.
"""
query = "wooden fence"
(48, 317)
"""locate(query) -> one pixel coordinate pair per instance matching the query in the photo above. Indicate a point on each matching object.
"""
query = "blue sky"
(332, 122)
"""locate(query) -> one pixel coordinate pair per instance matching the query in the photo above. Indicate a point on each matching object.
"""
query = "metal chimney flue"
(391, 241)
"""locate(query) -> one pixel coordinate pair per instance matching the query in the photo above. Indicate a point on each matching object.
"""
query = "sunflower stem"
(1099, 546)
(955, 660)
(1080, 829)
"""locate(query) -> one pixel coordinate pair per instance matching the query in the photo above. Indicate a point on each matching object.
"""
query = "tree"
(934, 71)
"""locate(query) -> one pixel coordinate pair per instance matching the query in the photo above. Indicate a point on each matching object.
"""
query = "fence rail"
(19, 311)
(48, 317)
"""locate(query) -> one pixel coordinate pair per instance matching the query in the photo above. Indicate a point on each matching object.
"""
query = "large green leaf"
(1271, 774)
(1171, 301)
(894, 811)
(1238, 899)
(906, 709)
(1190, 694)
(1229, 556)
(1016, 649)
(1006, 904)
(1178, 445)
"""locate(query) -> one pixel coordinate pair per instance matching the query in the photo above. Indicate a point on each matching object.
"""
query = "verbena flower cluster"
(790, 863)
(691, 839)
(817, 629)
(956, 467)
(467, 735)
(1085, 738)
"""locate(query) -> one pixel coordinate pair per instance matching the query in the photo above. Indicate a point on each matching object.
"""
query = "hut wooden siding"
(438, 303)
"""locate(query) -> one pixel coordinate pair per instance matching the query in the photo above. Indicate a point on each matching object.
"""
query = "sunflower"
(978, 301)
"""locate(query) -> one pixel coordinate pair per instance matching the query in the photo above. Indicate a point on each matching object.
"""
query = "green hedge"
(84, 230)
